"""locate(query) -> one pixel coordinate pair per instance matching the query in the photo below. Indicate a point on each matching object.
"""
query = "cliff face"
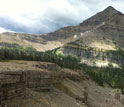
(94, 55)
(37, 77)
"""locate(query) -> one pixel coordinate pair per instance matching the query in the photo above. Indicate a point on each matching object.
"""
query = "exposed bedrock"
(110, 56)
(38, 77)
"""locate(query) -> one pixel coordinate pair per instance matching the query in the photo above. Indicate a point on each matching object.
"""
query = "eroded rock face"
(13, 83)
(18, 76)
(110, 56)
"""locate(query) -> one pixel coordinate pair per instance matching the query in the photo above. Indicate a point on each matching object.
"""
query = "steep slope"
(107, 24)
(27, 40)
(103, 16)
(43, 42)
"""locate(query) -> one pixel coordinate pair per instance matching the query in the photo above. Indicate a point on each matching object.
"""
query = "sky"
(44, 16)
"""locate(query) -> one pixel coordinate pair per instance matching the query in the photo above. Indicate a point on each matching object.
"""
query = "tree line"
(110, 75)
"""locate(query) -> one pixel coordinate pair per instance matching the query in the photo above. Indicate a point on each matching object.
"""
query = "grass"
(14, 61)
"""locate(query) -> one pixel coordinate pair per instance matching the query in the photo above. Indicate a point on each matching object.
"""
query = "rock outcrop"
(13, 83)
(19, 76)
(94, 54)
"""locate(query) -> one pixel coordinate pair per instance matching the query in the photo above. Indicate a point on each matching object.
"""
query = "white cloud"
(2, 30)
(42, 16)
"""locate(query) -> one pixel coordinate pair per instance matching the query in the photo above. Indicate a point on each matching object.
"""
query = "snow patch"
(99, 63)
(75, 36)
(82, 34)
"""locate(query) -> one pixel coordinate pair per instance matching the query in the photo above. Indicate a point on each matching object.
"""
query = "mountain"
(100, 38)
(8, 39)
(109, 17)
(103, 16)
(102, 42)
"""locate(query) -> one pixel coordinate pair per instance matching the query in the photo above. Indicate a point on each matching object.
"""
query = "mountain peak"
(110, 10)
(100, 17)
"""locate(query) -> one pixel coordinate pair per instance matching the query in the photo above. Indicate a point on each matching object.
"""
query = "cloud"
(43, 16)
(2, 30)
